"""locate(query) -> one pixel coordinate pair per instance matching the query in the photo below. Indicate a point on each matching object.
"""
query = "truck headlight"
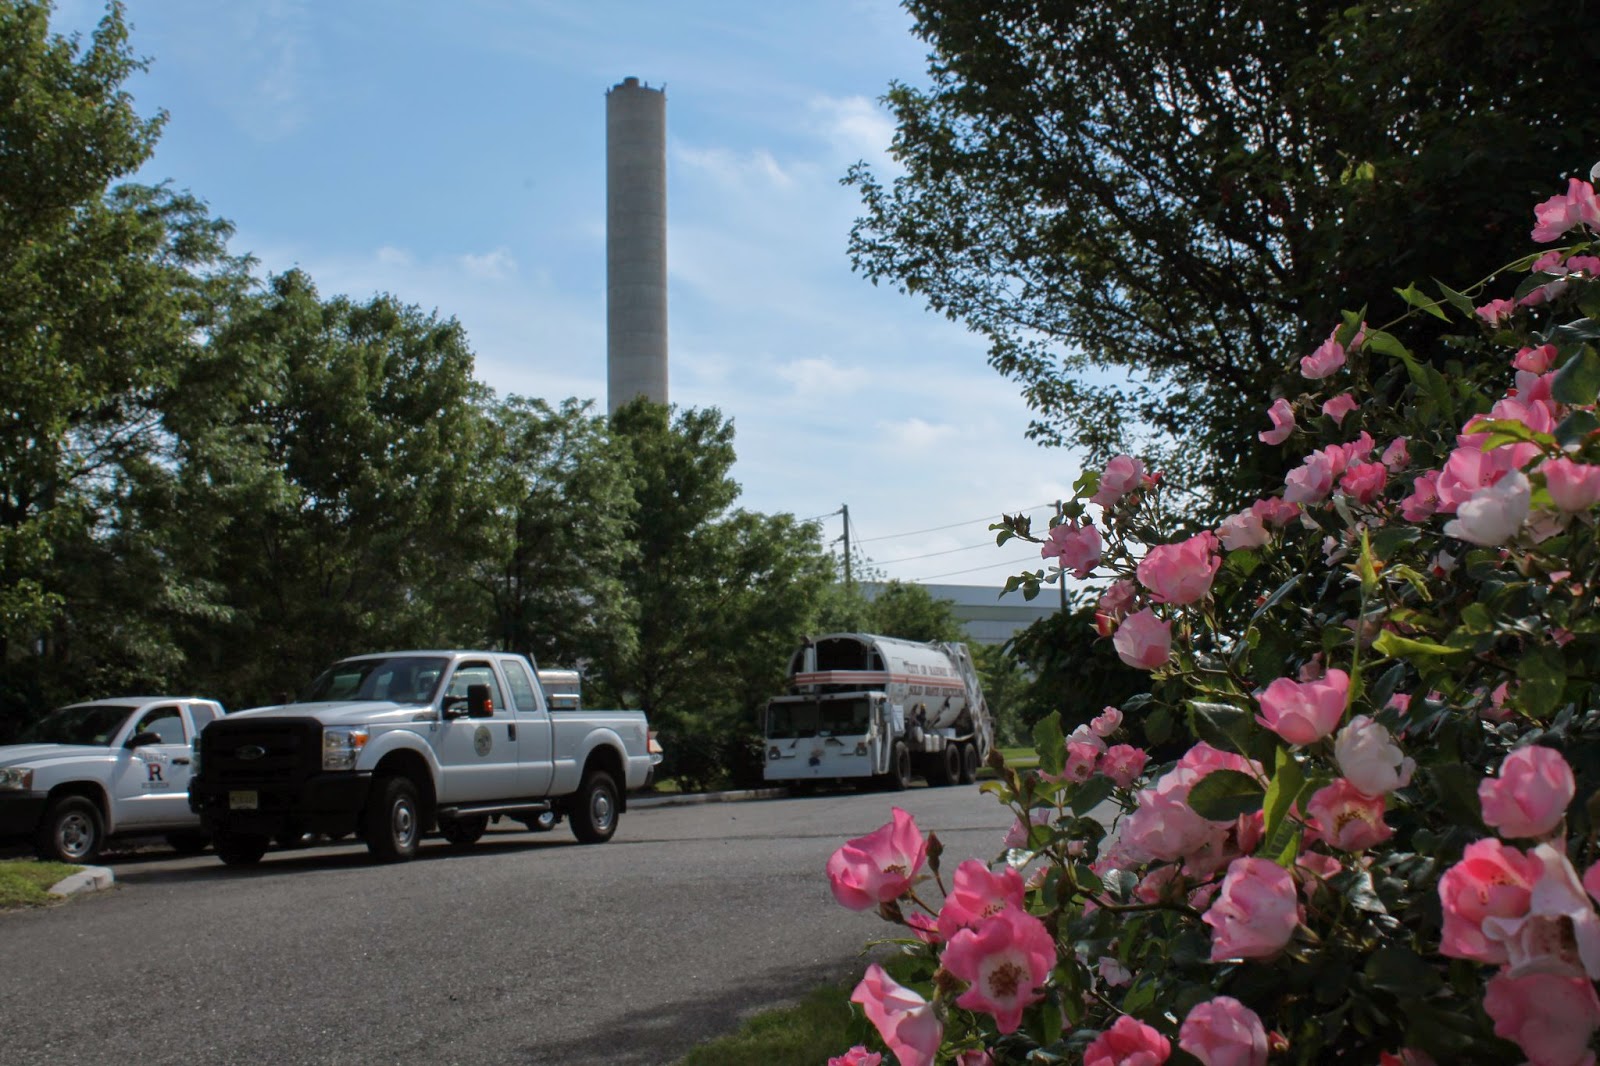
(16, 778)
(341, 746)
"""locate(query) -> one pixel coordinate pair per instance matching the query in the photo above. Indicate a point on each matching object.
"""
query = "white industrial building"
(987, 616)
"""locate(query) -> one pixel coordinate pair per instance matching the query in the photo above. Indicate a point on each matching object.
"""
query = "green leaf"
(1223, 795)
(1396, 968)
(1416, 298)
(1541, 677)
(1457, 788)
(1576, 427)
(1393, 646)
(1577, 383)
(1457, 300)
(1051, 743)
(1366, 566)
(1277, 596)
(1221, 725)
(1091, 794)
(1278, 831)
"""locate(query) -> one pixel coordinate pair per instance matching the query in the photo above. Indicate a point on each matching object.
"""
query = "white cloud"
(914, 436)
(756, 167)
(391, 256)
(854, 127)
(497, 265)
(822, 377)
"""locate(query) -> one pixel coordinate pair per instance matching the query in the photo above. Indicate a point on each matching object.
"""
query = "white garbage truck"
(864, 706)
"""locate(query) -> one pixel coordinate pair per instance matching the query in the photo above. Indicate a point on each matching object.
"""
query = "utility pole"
(844, 509)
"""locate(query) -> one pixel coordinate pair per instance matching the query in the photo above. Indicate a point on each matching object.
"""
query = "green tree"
(723, 595)
(909, 611)
(1143, 206)
(109, 289)
(335, 478)
(562, 489)
(1070, 669)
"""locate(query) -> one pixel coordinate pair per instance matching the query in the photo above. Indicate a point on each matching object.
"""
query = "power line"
(1020, 564)
(930, 555)
(953, 525)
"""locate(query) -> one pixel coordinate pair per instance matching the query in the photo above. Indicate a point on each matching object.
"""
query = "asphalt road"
(527, 949)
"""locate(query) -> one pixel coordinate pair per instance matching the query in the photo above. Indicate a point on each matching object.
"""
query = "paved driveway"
(527, 948)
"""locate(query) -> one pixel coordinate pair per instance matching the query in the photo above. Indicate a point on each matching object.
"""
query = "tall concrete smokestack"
(636, 243)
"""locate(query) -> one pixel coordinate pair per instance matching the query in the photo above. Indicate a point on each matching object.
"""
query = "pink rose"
(1121, 476)
(1573, 486)
(1303, 712)
(880, 866)
(1364, 482)
(1163, 826)
(1495, 311)
(1181, 573)
(1075, 547)
(1282, 416)
(1328, 358)
(1144, 641)
(1224, 1032)
(1551, 1018)
(1577, 207)
(977, 893)
(1019, 833)
(1129, 1042)
(1081, 757)
(1531, 795)
(1255, 912)
(1424, 500)
(1123, 763)
(1113, 973)
(857, 1056)
(1535, 360)
(1113, 606)
(1312, 480)
(1492, 881)
(1243, 530)
(977, 1057)
(1005, 960)
(1370, 759)
(1274, 511)
(1468, 469)
(903, 1018)
(1347, 818)
(1396, 454)
(1559, 933)
(1493, 515)
(1339, 406)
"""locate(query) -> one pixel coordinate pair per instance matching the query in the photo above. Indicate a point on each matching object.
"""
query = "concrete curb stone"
(88, 879)
(684, 799)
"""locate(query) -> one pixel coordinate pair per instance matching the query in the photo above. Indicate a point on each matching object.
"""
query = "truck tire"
(898, 779)
(969, 763)
(188, 843)
(944, 767)
(464, 832)
(392, 822)
(594, 809)
(239, 849)
(71, 831)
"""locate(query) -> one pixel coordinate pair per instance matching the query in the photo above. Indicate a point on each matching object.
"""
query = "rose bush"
(1386, 675)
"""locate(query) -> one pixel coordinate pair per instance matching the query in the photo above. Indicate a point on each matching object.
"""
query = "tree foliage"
(1142, 205)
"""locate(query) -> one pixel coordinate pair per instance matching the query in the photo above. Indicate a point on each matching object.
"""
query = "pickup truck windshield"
(399, 679)
(95, 724)
(811, 718)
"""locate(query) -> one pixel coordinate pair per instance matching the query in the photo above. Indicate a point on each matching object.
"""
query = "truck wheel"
(464, 832)
(944, 768)
(898, 778)
(188, 843)
(72, 831)
(594, 809)
(393, 819)
(239, 850)
(969, 763)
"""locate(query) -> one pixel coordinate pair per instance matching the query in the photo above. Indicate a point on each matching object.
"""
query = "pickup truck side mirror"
(139, 740)
(479, 704)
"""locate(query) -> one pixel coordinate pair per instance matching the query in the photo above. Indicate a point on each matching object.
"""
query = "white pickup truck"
(389, 746)
(115, 767)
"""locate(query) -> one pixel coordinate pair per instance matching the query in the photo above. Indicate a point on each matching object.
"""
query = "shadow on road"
(666, 1033)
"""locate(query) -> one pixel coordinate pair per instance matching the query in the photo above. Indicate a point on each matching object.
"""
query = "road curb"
(88, 879)
(683, 800)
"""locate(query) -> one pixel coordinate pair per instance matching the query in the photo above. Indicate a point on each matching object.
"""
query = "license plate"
(243, 801)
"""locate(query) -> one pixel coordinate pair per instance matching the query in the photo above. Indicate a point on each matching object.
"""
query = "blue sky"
(453, 154)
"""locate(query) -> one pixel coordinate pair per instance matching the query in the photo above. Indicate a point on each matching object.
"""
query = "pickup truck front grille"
(261, 750)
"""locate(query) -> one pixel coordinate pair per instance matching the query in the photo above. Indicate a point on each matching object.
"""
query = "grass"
(26, 883)
(810, 1032)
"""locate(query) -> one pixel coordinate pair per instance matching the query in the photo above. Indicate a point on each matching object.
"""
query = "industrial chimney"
(636, 243)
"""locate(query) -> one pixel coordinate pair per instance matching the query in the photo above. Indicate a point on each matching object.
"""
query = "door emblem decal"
(482, 740)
